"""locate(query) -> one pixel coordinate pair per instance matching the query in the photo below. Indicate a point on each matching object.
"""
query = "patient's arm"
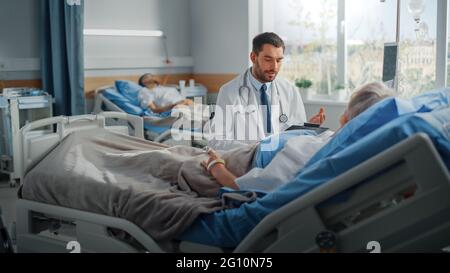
(157, 109)
(220, 172)
(224, 176)
(187, 102)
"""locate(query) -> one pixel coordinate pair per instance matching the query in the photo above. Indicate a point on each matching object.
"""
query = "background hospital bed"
(155, 128)
(382, 209)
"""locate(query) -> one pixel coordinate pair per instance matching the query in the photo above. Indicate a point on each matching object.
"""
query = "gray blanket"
(161, 189)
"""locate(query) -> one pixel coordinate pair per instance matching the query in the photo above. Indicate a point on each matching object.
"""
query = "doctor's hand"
(319, 118)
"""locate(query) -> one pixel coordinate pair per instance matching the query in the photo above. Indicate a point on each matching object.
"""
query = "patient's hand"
(319, 118)
(188, 102)
(220, 172)
(184, 104)
(213, 155)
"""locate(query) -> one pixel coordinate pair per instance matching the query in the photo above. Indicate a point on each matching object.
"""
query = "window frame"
(442, 43)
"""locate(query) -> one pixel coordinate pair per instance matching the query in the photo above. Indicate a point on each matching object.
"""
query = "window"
(315, 51)
(308, 29)
(370, 24)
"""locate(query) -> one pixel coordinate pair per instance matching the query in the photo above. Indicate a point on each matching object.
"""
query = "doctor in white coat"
(257, 104)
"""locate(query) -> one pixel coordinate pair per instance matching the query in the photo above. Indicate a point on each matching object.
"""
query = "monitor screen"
(390, 62)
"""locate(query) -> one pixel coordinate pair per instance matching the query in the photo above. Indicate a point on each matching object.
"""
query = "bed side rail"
(411, 164)
(35, 144)
(42, 142)
(100, 101)
(92, 231)
(135, 121)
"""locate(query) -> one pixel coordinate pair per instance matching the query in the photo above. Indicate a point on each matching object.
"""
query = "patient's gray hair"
(366, 96)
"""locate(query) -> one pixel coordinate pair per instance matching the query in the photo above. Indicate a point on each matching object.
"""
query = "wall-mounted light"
(121, 32)
(130, 33)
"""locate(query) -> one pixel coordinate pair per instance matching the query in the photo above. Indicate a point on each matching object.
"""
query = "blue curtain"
(62, 61)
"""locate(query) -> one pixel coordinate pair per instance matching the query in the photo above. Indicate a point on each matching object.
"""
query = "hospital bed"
(399, 199)
(157, 127)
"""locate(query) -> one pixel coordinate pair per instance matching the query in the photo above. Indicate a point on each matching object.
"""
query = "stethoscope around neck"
(283, 117)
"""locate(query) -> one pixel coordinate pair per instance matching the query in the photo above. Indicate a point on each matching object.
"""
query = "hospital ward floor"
(8, 197)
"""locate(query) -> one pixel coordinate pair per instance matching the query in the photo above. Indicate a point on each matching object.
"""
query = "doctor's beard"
(264, 76)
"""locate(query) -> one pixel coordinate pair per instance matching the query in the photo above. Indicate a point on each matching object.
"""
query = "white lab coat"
(243, 122)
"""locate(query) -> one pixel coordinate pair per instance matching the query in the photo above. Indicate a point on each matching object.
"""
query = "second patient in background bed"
(159, 98)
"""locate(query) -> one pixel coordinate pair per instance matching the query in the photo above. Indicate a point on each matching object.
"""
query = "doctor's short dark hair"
(267, 38)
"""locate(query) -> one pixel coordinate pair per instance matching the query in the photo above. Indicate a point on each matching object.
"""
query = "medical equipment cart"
(19, 106)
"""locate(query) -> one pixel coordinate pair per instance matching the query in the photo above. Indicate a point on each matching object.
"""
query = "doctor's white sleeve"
(220, 130)
(298, 114)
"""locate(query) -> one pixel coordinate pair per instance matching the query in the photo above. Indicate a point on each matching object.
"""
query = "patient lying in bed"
(239, 171)
(159, 98)
(296, 152)
(161, 189)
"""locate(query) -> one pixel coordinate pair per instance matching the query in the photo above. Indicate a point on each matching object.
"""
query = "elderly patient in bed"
(296, 152)
(206, 173)
(163, 189)
(116, 159)
(159, 98)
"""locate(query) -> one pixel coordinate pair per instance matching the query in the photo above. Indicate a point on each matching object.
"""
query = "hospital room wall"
(111, 58)
(221, 31)
(106, 56)
(130, 55)
(196, 30)
(219, 36)
(19, 46)
(212, 26)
